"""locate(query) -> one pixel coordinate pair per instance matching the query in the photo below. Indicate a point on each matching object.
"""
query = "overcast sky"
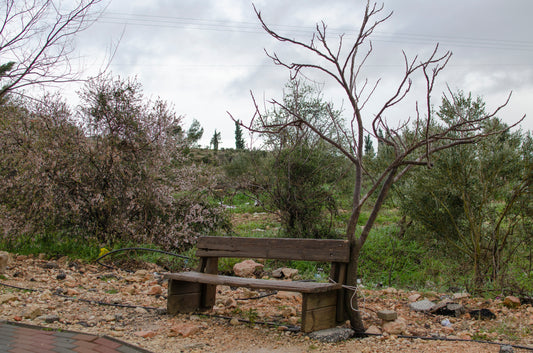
(205, 56)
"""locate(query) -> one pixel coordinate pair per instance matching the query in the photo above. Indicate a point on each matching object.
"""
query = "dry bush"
(114, 169)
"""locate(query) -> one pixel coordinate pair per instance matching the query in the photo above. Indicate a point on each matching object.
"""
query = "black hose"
(135, 248)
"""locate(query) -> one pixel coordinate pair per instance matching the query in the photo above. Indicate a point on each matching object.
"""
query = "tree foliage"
(195, 133)
(301, 175)
(239, 140)
(475, 197)
(120, 175)
(215, 140)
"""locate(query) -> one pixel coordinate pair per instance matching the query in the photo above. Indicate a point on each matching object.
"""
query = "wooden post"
(319, 311)
(209, 291)
(338, 274)
(183, 297)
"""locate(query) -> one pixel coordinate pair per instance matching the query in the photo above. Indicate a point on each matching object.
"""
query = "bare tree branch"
(36, 36)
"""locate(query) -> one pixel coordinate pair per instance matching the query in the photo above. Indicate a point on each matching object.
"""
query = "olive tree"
(342, 62)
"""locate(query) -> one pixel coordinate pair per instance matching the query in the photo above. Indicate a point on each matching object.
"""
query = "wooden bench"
(322, 303)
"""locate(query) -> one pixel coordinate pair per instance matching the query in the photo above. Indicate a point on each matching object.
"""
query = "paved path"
(18, 338)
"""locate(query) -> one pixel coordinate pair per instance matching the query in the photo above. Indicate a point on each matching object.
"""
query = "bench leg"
(183, 296)
(319, 311)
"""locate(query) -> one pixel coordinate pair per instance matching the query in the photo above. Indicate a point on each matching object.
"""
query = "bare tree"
(412, 142)
(36, 41)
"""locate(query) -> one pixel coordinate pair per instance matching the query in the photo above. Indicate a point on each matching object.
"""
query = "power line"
(158, 21)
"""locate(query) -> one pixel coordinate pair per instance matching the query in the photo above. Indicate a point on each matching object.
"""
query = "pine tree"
(239, 140)
(215, 140)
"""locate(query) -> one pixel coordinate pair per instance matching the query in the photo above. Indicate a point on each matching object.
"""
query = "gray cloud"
(205, 56)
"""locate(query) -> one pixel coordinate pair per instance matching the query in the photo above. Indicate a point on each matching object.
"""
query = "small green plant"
(251, 315)
(111, 291)
(482, 336)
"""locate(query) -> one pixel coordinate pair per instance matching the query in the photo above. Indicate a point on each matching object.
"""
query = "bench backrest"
(322, 250)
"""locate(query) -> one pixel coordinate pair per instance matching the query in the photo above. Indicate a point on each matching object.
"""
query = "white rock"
(247, 268)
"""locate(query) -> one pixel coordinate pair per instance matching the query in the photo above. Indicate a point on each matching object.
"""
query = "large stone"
(511, 302)
(506, 349)
(32, 312)
(51, 318)
(414, 297)
(332, 335)
(458, 296)
(422, 305)
(155, 290)
(284, 272)
(247, 268)
(387, 315)
(373, 330)
(184, 329)
(448, 309)
(396, 327)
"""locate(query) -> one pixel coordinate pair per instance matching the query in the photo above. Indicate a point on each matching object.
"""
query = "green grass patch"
(54, 245)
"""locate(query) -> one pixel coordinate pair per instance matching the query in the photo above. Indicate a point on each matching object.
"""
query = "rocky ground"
(69, 295)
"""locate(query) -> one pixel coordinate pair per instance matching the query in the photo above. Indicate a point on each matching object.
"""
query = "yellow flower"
(103, 251)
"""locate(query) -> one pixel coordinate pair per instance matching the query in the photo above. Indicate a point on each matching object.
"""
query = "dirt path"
(65, 296)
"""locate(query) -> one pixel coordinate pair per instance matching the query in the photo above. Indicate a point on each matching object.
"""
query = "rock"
(506, 349)
(373, 330)
(414, 297)
(387, 315)
(448, 309)
(247, 293)
(288, 295)
(289, 272)
(247, 268)
(526, 300)
(140, 310)
(72, 292)
(184, 329)
(390, 290)
(61, 276)
(5, 298)
(332, 335)
(4, 261)
(396, 327)
(422, 305)
(293, 320)
(277, 273)
(511, 302)
(288, 312)
(32, 312)
(51, 318)
(458, 296)
(482, 314)
(145, 334)
(234, 322)
(230, 303)
(50, 265)
(155, 290)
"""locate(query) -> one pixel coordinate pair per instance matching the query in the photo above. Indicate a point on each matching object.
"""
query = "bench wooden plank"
(205, 278)
(324, 250)
(319, 311)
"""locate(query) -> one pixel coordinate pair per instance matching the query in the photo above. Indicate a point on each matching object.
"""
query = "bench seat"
(289, 286)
